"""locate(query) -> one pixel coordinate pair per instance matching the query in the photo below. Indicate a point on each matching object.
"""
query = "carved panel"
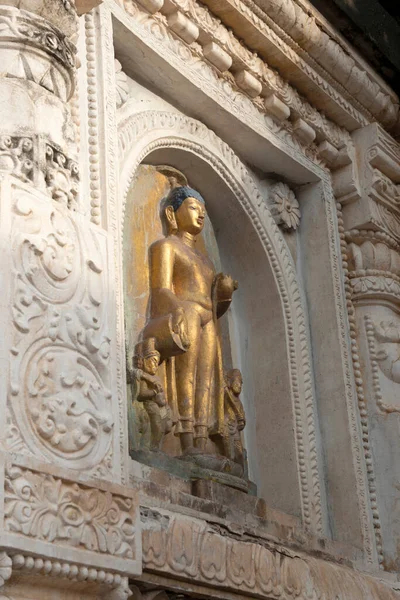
(34, 160)
(326, 95)
(60, 398)
(384, 349)
(66, 513)
(258, 78)
(192, 550)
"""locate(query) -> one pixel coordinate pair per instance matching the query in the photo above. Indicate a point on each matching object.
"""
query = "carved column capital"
(374, 266)
(372, 217)
(377, 207)
(35, 50)
(59, 13)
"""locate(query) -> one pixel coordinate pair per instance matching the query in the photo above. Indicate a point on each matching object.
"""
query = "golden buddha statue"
(186, 299)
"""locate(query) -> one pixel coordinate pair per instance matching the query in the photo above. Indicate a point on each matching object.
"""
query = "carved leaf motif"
(183, 547)
(56, 251)
(266, 574)
(26, 307)
(54, 510)
(240, 563)
(213, 557)
(390, 220)
(154, 542)
(47, 247)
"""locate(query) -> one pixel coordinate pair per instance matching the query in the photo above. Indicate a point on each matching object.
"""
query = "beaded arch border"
(139, 134)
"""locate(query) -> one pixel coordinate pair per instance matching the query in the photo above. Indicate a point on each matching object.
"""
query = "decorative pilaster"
(56, 367)
(372, 235)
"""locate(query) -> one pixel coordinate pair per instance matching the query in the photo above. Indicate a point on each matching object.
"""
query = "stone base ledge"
(178, 551)
(234, 512)
(58, 523)
(67, 536)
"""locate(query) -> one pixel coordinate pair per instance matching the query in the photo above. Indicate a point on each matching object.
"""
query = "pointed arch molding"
(139, 134)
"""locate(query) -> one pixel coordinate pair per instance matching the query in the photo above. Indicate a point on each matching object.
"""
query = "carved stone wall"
(60, 394)
(290, 133)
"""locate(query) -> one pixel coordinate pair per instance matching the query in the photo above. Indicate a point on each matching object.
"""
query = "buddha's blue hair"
(178, 195)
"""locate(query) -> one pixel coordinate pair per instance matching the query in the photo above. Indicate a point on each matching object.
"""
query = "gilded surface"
(179, 307)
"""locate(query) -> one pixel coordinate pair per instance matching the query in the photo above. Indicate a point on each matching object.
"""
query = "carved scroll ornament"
(60, 401)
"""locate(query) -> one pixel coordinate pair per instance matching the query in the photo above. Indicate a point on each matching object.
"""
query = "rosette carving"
(284, 206)
(67, 402)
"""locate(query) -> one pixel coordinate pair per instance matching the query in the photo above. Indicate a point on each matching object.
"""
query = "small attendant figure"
(235, 419)
(150, 393)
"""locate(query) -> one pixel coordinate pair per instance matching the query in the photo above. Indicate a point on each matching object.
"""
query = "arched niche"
(266, 322)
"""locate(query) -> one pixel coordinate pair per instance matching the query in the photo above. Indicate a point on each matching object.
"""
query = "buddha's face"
(190, 216)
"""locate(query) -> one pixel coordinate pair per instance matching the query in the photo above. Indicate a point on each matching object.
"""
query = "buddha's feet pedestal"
(197, 467)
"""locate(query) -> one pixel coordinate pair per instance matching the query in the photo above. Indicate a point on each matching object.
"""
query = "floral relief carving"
(60, 376)
(33, 160)
(67, 403)
(16, 156)
(389, 219)
(48, 249)
(55, 510)
(284, 207)
(62, 177)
